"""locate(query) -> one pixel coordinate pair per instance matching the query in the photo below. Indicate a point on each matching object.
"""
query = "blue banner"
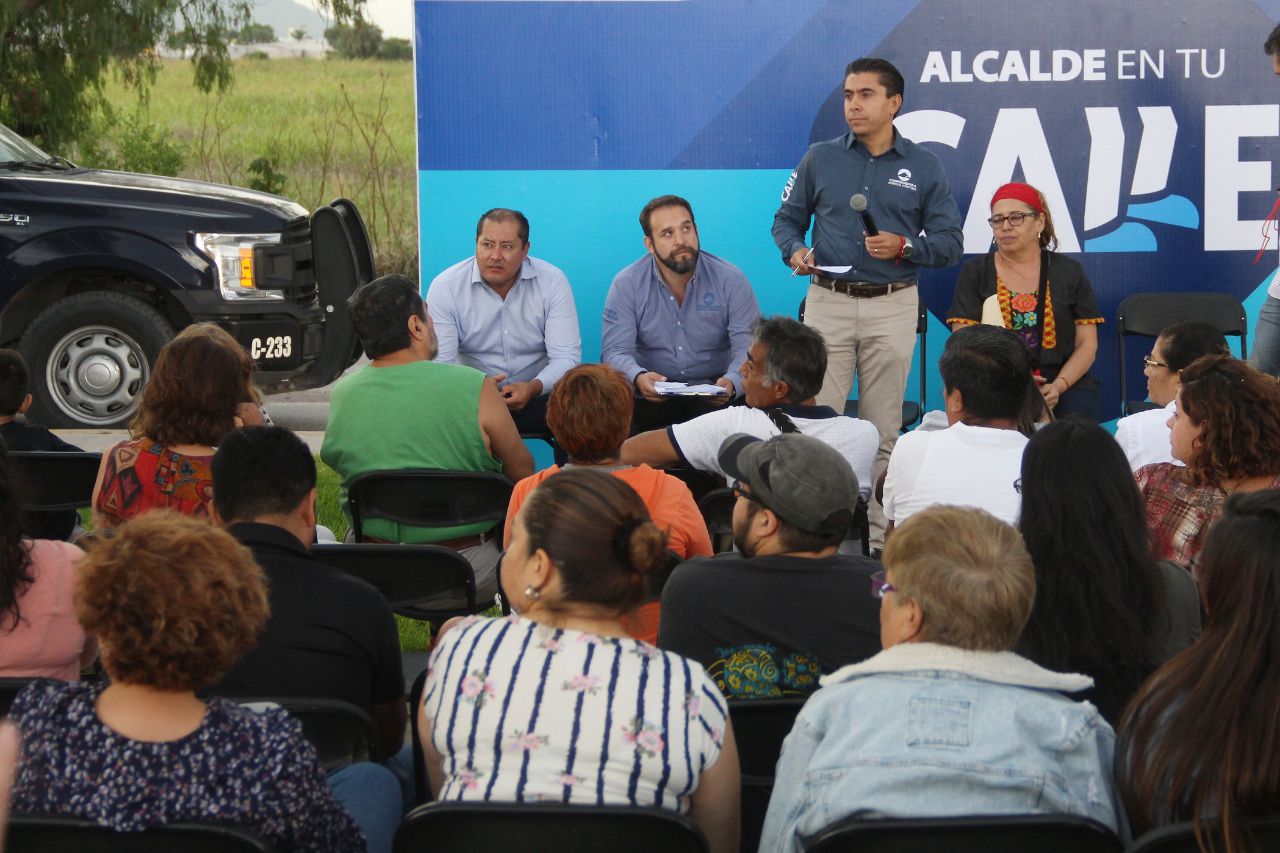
(1151, 126)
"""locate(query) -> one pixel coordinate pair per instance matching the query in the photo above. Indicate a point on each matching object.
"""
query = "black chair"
(545, 828)
(428, 497)
(912, 410)
(1148, 314)
(759, 727)
(978, 834)
(51, 482)
(1181, 838)
(44, 833)
(409, 574)
(341, 733)
(717, 511)
(421, 786)
(9, 690)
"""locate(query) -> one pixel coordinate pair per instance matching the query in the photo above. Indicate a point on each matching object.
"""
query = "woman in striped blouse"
(557, 702)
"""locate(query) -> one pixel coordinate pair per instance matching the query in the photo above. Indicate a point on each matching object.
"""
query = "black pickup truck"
(99, 269)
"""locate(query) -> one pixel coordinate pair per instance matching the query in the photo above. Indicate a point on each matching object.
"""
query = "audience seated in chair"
(329, 636)
(1198, 742)
(986, 375)
(768, 621)
(1104, 606)
(781, 376)
(174, 601)
(1144, 436)
(557, 701)
(405, 411)
(589, 413)
(39, 634)
(200, 389)
(946, 721)
(15, 399)
(1226, 430)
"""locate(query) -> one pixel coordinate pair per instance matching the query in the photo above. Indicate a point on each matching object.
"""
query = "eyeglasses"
(740, 490)
(879, 586)
(1151, 362)
(1014, 219)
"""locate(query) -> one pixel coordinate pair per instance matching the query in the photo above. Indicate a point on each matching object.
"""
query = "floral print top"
(522, 712)
(248, 769)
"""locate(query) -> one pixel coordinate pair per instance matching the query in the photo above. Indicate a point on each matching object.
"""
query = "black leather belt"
(859, 289)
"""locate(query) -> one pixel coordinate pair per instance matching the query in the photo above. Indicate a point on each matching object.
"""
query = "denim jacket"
(924, 730)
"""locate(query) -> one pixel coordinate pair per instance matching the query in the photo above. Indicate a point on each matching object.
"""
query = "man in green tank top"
(405, 411)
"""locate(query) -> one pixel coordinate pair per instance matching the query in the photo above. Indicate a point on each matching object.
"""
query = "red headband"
(1019, 192)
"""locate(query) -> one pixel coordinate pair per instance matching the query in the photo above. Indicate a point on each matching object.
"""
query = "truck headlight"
(232, 258)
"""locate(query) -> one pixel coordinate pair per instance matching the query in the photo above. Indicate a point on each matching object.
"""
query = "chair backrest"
(1181, 838)
(428, 497)
(1148, 314)
(502, 827)
(341, 733)
(717, 511)
(407, 574)
(977, 834)
(759, 727)
(43, 833)
(9, 690)
(50, 481)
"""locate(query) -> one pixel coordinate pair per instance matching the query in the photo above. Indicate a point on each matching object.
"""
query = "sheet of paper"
(672, 389)
(835, 270)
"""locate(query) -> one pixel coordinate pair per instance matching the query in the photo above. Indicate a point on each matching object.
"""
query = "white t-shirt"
(1144, 437)
(961, 465)
(698, 441)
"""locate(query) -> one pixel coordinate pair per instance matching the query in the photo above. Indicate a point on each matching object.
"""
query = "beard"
(680, 265)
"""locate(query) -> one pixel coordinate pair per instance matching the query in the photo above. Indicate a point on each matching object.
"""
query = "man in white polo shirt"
(780, 377)
(977, 460)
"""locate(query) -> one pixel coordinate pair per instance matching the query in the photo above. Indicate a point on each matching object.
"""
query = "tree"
(395, 49)
(359, 40)
(255, 33)
(55, 54)
(297, 33)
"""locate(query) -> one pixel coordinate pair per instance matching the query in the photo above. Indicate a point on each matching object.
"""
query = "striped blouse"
(523, 712)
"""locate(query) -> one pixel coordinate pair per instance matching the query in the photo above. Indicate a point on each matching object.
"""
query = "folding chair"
(409, 574)
(53, 481)
(454, 827)
(912, 410)
(1181, 838)
(977, 834)
(1148, 314)
(42, 833)
(759, 727)
(428, 497)
(341, 733)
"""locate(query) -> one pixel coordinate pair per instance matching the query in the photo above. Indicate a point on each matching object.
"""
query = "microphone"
(859, 203)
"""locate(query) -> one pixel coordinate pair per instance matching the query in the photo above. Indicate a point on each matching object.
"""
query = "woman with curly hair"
(1201, 740)
(39, 634)
(1226, 430)
(174, 601)
(200, 389)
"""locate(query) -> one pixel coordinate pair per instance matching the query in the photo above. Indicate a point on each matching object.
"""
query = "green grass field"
(333, 128)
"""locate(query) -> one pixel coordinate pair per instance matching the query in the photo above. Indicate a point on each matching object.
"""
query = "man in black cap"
(768, 621)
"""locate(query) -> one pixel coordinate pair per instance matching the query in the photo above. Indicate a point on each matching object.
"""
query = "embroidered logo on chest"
(904, 180)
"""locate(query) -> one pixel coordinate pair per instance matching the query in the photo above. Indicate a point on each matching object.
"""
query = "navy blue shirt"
(907, 193)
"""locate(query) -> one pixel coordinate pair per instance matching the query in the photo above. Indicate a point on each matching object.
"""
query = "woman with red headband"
(1009, 286)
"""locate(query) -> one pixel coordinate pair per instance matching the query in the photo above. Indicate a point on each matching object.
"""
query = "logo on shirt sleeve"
(791, 184)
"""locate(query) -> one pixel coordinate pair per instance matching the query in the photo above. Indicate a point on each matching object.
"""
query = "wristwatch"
(907, 248)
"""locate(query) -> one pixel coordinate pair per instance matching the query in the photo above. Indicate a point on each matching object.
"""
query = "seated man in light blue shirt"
(508, 315)
(678, 315)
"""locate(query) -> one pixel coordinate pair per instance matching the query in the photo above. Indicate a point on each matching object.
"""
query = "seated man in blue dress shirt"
(677, 315)
(508, 315)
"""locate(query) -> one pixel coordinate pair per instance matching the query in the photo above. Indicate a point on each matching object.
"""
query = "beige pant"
(874, 338)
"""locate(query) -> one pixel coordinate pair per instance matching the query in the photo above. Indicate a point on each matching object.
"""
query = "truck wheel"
(89, 356)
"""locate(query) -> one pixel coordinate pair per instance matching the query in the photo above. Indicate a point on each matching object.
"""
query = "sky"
(394, 16)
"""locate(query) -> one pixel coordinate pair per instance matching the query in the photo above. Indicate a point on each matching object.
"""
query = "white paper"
(835, 270)
(672, 389)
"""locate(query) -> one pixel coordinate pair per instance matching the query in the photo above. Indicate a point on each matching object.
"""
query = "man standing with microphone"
(880, 205)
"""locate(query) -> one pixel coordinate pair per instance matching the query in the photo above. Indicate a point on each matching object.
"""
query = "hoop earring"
(531, 592)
